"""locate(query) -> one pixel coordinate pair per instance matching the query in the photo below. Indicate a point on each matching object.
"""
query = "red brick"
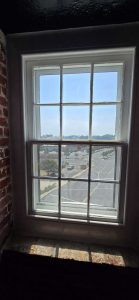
(2, 56)
(4, 162)
(4, 142)
(3, 122)
(1, 131)
(3, 211)
(3, 173)
(5, 112)
(3, 80)
(4, 90)
(4, 70)
(6, 132)
(5, 201)
(6, 152)
(2, 153)
(2, 192)
(3, 101)
(4, 182)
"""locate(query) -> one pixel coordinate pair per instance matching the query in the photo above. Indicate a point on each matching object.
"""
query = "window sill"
(76, 251)
(40, 217)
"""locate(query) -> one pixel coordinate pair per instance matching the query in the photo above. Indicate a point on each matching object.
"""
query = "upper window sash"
(97, 58)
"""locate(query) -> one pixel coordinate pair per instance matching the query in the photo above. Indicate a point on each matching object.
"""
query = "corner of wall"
(5, 169)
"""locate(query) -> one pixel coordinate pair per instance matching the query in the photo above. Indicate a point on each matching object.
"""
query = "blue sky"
(76, 87)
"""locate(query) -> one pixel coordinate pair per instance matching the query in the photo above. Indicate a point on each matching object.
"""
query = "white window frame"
(119, 55)
(56, 41)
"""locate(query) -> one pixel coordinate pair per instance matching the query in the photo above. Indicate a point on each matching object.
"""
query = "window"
(77, 112)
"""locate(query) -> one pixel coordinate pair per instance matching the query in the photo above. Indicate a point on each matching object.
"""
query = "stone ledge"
(76, 251)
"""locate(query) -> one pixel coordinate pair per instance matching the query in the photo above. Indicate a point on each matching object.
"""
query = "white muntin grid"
(35, 65)
(62, 141)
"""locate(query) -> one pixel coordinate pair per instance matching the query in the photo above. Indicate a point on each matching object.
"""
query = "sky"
(76, 88)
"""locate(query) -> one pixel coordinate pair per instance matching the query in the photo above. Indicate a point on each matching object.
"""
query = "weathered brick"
(4, 70)
(5, 112)
(2, 153)
(4, 141)
(3, 211)
(4, 162)
(6, 200)
(3, 121)
(1, 131)
(6, 131)
(6, 152)
(4, 183)
(4, 91)
(2, 193)
(3, 80)
(3, 173)
(2, 55)
(3, 101)
(5, 180)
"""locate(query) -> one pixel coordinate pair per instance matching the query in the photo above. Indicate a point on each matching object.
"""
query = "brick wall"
(5, 177)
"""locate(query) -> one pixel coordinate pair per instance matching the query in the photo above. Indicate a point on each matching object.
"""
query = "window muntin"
(76, 83)
(87, 180)
(96, 104)
(107, 82)
(48, 85)
(83, 94)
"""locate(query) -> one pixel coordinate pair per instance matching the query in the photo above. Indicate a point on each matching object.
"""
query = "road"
(74, 194)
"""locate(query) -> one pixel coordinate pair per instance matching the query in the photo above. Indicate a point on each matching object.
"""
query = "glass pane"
(76, 83)
(45, 160)
(74, 161)
(105, 122)
(107, 82)
(45, 195)
(104, 199)
(48, 88)
(75, 122)
(47, 121)
(105, 162)
(74, 197)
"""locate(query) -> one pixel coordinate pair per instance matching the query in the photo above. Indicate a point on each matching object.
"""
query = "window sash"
(109, 56)
(90, 104)
(120, 182)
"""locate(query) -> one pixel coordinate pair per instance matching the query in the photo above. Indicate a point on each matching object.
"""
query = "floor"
(76, 251)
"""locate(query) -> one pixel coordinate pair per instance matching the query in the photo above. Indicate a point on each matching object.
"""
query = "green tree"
(49, 165)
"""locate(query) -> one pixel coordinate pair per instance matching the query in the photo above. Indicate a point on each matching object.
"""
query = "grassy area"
(47, 188)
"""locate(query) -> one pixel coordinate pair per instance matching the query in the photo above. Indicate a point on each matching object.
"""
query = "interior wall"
(5, 174)
(84, 38)
(35, 15)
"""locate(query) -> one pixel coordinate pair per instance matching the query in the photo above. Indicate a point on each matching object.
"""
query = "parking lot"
(74, 194)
